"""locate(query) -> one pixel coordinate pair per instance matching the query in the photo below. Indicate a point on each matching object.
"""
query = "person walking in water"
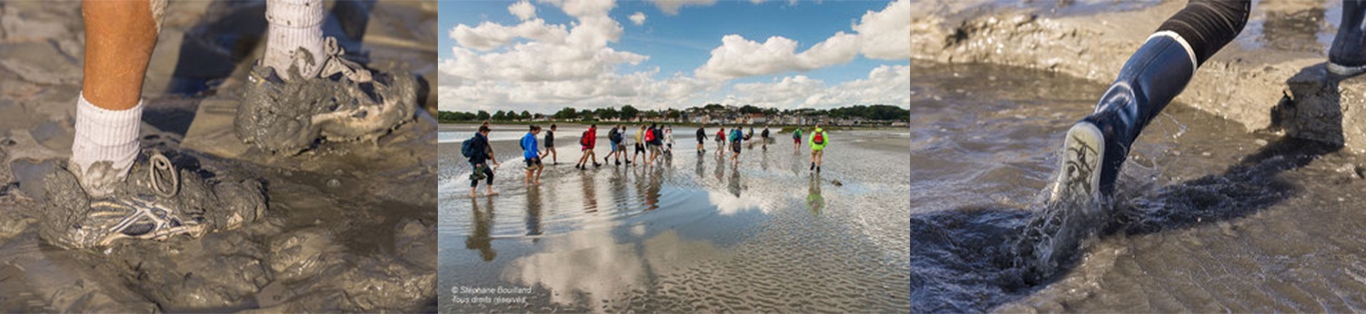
(720, 140)
(736, 135)
(587, 141)
(640, 146)
(669, 140)
(619, 141)
(550, 145)
(654, 140)
(701, 138)
(476, 148)
(613, 138)
(818, 141)
(531, 153)
(796, 140)
(763, 138)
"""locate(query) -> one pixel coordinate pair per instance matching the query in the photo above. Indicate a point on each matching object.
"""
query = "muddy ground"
(345, 230)
(1278, 56)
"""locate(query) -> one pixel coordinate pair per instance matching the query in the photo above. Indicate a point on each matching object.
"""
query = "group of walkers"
(818, 140)
(650, 142)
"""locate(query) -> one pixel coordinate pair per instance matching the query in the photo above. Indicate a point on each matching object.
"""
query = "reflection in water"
(735, 181)
(590, 194)
(533, 211)
(763, 160)
(699, 169)
(652, 189)
(479, 239)
(814, 201)
(720, 167)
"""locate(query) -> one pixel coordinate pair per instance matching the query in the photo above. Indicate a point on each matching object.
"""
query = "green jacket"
(812, 139)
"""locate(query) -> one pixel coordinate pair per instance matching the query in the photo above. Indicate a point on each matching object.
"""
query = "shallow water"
(688, 236)
(1209, 217)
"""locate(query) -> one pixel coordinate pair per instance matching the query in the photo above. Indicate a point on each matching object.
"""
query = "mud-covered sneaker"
(1078, 179)
(155, 202)
(344, 102)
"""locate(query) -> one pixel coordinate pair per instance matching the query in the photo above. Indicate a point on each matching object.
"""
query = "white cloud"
(558, 65)
(584, 8)
(740, 57)
(523, 10)
(541, 67)
(887, 34)
(670, 7)
(756, 1)
(638, 18)
(880, 35)
(488, 36)
(889, 85)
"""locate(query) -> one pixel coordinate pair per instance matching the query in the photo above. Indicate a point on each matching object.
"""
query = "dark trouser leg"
(1346, 56)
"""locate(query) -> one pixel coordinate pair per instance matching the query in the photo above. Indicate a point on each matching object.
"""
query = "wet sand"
(686, 236)
(345, 230)
(1210, 218)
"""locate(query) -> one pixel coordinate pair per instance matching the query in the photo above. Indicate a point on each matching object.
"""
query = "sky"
(544, 55)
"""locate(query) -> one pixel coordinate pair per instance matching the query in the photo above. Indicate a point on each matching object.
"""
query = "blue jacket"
(530, 149)
(480, 148)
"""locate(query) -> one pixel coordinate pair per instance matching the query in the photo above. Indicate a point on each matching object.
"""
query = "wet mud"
(343, 230)
(1091, 40)
(1207, 217)
(696, 234)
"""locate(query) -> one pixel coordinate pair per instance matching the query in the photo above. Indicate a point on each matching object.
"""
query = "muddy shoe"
(345, 102)
(155, 202)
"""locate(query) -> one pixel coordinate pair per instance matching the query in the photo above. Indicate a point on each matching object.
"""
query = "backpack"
(466, 149)
(617, 136)
(818, 138)
(650, 135)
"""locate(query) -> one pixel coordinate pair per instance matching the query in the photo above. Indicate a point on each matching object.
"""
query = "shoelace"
(159, 163)
(337, 64)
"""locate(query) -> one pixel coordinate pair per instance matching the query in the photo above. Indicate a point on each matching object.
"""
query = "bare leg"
(120, 36)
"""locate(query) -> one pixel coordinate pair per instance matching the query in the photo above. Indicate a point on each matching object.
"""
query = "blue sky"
(676, 45)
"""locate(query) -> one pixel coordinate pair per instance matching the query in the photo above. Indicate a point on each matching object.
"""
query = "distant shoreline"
(446, 126)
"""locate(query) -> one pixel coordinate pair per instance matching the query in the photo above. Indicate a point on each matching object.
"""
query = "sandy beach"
(685, 236)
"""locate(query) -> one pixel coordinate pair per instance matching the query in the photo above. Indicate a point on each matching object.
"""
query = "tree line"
(628, 112)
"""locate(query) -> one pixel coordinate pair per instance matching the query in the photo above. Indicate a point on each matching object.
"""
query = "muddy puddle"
(345, 230)
(686, 236)
(1209, 217)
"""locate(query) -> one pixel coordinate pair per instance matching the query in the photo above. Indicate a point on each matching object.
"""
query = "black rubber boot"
(1155, 74)
(1346, 56)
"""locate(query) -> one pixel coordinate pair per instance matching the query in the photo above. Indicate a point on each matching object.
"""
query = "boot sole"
(1078, 180)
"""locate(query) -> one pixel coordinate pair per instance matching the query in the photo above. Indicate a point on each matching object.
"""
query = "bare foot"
(492, 193)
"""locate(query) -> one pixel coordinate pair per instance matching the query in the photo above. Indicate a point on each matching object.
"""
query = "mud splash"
(1207, 218)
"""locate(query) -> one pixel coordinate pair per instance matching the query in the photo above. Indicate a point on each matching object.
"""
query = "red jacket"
(590, 139)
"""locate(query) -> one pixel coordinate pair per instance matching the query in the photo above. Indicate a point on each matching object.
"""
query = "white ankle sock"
(294, 24)
(105, 145)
